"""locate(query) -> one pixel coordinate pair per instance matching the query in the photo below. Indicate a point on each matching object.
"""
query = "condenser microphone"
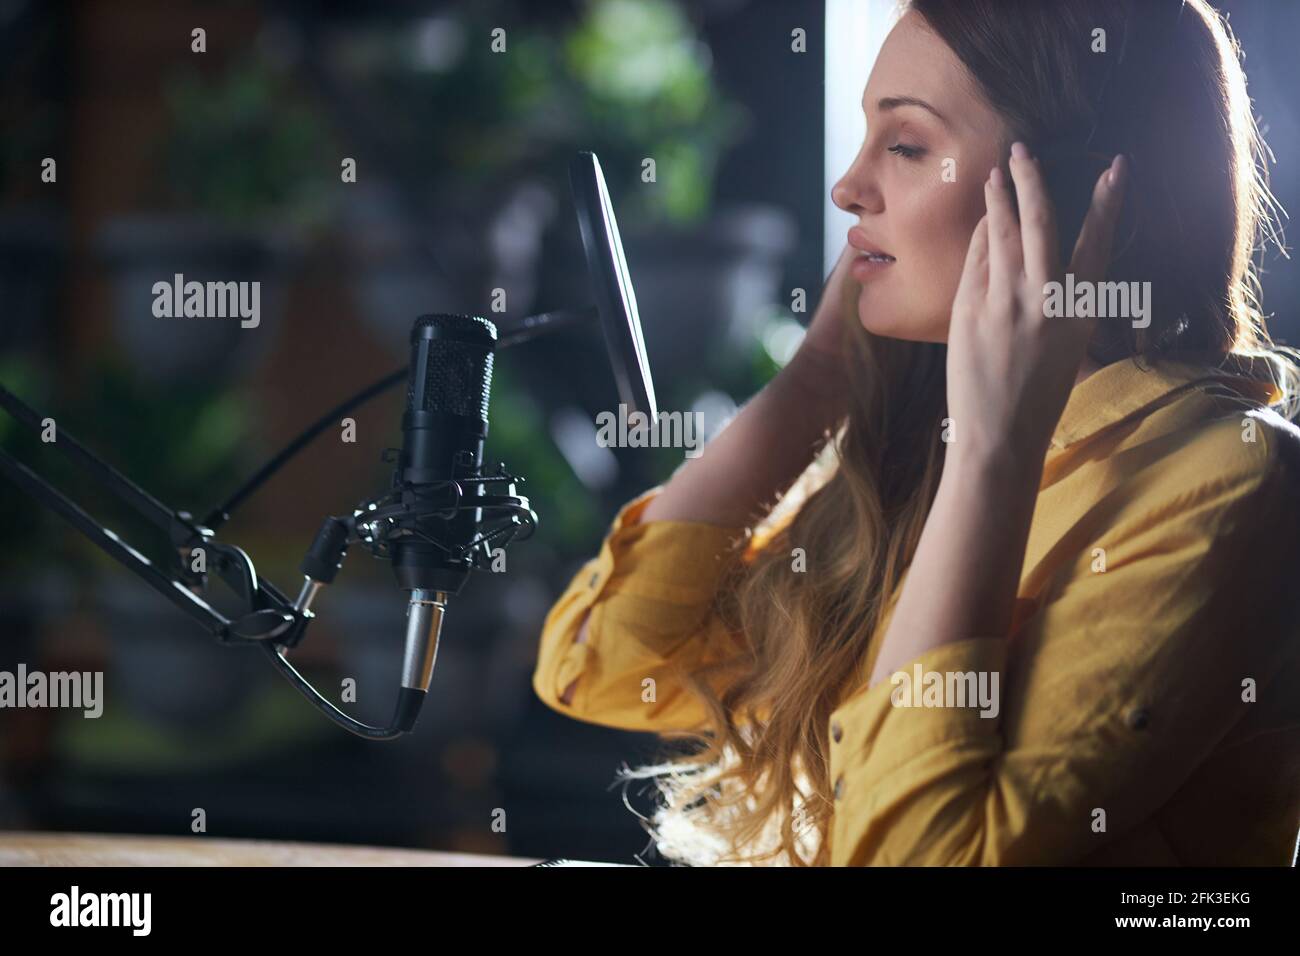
(443, 430)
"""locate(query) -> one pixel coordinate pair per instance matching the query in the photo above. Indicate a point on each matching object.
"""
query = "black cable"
(221, 514)
(409, 702)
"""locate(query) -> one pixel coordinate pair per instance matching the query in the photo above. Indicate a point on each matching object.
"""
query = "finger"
(1092, 250)
(1037, 218)
(974, 281)
(1004, 234)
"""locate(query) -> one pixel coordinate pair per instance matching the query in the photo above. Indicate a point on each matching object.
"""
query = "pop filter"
(611, 285)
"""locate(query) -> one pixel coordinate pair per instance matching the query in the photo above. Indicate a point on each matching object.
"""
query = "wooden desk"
(93, 849)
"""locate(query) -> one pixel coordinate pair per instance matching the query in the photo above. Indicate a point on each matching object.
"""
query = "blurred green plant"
(645, 80)
(245, 146)
(183, 443)
(629, 80)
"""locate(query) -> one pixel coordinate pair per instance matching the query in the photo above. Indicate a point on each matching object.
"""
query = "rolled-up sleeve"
(649, 594)
(1113, 690)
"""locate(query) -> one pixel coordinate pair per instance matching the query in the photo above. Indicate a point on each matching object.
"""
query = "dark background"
(225, 165)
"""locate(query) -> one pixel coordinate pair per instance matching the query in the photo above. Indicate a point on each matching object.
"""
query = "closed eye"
(907, 152)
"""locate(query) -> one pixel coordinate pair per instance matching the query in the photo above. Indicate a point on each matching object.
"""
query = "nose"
(858, 190)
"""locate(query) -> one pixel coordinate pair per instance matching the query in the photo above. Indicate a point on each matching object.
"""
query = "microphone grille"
(451, 365)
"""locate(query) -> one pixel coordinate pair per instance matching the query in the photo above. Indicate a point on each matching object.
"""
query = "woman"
(1031, 604)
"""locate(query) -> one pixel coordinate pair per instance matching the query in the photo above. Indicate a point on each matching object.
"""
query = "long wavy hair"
(754, 786)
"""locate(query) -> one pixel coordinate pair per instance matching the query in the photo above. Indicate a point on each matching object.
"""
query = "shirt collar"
(1122, 389)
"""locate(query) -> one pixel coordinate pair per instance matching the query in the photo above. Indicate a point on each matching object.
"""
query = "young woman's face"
(917, 184)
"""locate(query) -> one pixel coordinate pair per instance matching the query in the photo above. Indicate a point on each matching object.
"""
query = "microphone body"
(443, 430)
(429, 526)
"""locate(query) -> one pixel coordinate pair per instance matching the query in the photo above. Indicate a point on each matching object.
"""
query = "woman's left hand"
(1010, 366)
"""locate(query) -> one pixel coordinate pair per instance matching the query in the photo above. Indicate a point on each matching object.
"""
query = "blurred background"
(226, 165)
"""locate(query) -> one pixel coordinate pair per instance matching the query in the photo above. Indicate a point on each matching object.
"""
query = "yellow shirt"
(1150, 691)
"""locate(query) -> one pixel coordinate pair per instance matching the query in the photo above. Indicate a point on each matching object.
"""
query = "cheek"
(939, 226)
(930, 229)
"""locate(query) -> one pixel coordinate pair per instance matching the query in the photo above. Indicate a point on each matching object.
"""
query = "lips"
(869, 250)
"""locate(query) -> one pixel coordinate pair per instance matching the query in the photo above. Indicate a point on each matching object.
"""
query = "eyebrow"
(886, 103)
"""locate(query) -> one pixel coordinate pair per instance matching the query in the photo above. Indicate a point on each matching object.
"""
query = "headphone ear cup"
(1071, 178)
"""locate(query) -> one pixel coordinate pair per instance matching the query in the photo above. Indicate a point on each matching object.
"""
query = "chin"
(892, 321)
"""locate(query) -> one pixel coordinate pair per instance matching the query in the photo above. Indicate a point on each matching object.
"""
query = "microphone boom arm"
(269, 611)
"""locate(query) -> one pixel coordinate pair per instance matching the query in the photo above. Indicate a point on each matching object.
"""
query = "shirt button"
(1138, 718)
(594, 578)
(839, 786)
(836, 731)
